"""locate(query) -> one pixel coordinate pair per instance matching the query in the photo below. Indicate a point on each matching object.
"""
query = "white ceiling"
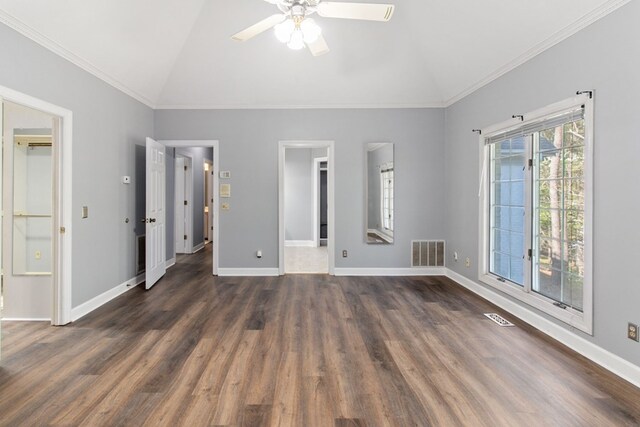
(179, 54)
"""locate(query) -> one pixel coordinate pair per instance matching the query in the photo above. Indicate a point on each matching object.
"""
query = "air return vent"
(427, 253)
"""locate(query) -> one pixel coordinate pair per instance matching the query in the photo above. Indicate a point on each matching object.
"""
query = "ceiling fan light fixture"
(284, 30)
(297, 40)
(310, 30)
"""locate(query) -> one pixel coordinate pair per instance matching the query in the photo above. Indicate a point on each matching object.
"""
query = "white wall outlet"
(126, 179)
(467, 262)
(225, 174)
(225, 206)
(455, 256)
(632, 332)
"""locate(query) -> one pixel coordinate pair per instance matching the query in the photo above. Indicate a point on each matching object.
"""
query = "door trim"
(62, 211)
(316, 199)
(209, 178)
(330, 146)
(179, 143)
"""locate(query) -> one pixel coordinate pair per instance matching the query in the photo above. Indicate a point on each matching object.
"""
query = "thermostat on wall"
(225, 174)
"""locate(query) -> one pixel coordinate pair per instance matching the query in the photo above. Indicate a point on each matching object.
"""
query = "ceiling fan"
(294, 27)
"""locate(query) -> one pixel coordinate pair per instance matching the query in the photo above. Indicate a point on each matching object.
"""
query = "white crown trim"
(556, 38)
(53, 46)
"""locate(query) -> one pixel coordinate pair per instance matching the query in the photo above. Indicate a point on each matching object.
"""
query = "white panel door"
(180, 197)
(155, 213)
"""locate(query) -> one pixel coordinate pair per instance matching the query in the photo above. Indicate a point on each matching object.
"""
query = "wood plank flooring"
(301, 350)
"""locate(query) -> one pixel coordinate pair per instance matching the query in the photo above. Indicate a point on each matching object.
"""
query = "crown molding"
(296, 107)
(556, 38)
(44, 41)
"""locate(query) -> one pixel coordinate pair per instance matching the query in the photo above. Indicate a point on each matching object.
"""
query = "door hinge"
(185, 168)
(185, 237)
(185, 203)
(530, 254)
(63, 230)
(530, 163)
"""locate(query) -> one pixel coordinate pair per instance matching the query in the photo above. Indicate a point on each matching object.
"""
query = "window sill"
(570, 316)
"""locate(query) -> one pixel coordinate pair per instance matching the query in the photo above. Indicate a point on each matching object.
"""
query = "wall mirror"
(379, 193)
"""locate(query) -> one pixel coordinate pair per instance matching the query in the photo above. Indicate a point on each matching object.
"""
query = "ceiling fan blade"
(366, 11)
(258, 28)
(318, 47)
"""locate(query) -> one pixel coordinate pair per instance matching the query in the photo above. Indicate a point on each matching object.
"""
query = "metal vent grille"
(498, 319)
(427, 253)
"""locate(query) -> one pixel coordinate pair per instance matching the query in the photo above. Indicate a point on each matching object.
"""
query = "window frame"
(580, 320)
(386, 172)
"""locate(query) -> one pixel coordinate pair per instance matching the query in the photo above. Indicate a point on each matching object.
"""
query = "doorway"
(306, 226)
(197, 153)
(36, 198)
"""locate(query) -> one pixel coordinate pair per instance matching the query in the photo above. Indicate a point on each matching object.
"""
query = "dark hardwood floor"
(300, 351)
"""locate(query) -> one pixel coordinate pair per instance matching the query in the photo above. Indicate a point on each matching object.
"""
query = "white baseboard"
(248, 272)
(300, 243)
(170, 262)
(198, 248)
(87, 307)
(25, 319)
(415, 271)
(602, 357)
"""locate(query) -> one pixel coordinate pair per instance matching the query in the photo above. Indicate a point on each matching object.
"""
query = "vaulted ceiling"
(179, 54)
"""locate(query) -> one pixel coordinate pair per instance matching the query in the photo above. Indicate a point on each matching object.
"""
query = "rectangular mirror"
(379, 192)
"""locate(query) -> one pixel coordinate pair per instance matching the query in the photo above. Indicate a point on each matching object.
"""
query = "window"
(386, 175)
(536, 193)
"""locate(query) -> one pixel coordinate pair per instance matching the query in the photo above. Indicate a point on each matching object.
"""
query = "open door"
(155, 213)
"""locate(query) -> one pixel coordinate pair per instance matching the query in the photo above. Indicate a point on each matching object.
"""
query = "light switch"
(85, 212)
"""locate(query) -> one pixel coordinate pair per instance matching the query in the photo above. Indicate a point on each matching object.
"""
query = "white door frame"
(329, 145)
(62, 202)
(316, 199)
(209, 175)
(188, 196)
(216, 197)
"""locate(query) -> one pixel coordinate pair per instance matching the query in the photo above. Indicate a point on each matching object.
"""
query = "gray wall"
(298, 194)
(605, 57)
(249, 149)
(107, 125)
